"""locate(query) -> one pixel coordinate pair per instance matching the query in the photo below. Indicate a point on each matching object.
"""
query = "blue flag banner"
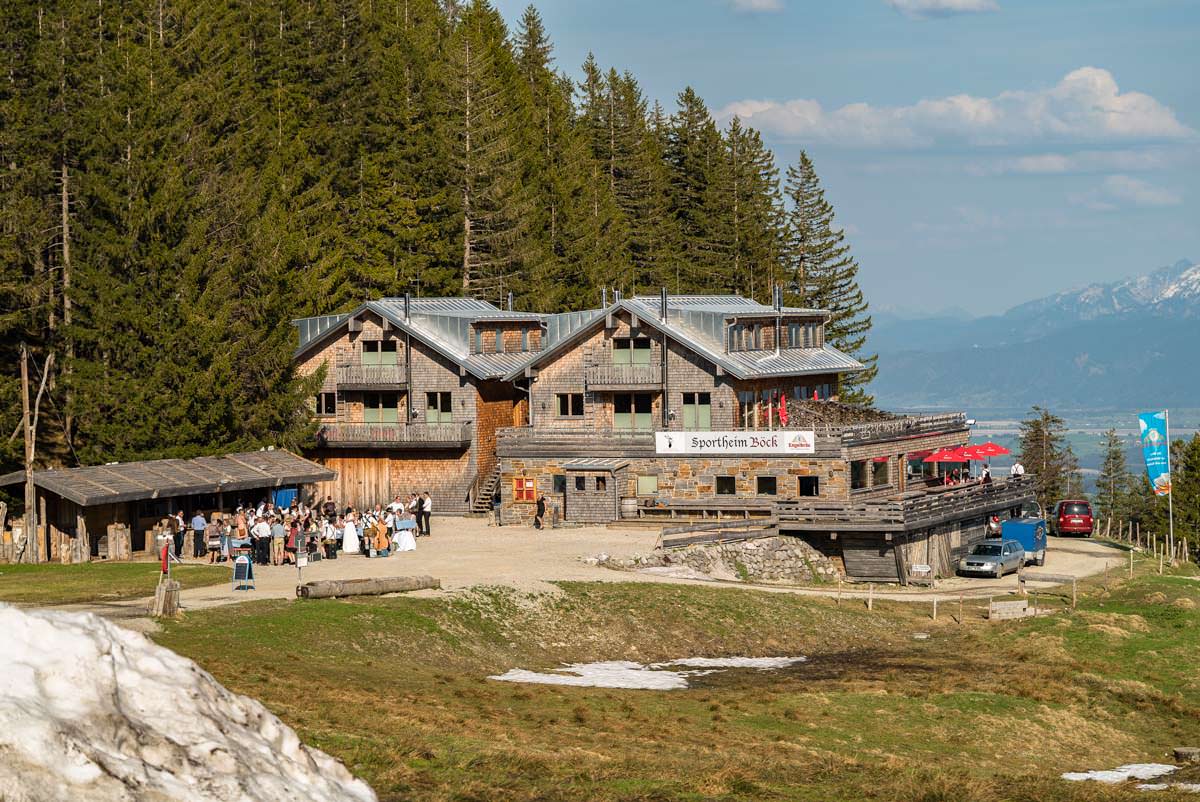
(1156, 450)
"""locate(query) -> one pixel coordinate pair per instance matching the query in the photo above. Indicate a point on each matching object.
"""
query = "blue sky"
(979, 153)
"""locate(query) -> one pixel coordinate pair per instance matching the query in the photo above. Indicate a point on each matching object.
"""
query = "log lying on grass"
(335, 588)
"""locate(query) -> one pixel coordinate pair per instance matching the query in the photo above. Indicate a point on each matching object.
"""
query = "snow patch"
(637, 676)
(89, 710)
(1130, 771)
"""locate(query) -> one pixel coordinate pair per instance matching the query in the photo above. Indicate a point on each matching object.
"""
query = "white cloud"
(924, 9)
(1085, 106)
(1083, 161)
(1139, 192)
(757, 6)
(1117, 191)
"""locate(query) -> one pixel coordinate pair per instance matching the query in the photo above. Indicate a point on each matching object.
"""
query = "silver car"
(993, 558)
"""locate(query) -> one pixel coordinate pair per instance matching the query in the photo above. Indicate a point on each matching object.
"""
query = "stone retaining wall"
(782, 559)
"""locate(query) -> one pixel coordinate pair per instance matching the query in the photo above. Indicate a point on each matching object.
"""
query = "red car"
(1072, 517)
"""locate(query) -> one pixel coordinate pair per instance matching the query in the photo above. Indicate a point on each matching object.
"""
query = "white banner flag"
(777, 442)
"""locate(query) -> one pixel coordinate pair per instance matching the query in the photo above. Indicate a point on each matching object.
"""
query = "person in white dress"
(403, 536)
(350, 536)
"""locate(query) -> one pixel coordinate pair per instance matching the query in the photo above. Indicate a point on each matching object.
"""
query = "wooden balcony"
(395, 435)
(370, 377)
(910, 511)
(623, 377)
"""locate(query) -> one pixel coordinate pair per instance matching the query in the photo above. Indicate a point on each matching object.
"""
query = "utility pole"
(31, 523)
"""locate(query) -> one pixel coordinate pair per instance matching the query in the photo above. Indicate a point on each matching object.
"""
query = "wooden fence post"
(871, 596)
(1131, 563)
(1073, 597)
(935, 608)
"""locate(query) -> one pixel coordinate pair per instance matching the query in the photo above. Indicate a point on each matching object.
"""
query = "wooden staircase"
(481, 503)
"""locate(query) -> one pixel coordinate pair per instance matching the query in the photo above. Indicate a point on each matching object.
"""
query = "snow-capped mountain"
(1103, 346)
(1170, 291)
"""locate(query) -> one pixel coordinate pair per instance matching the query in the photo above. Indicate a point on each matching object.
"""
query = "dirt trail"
(464, 552)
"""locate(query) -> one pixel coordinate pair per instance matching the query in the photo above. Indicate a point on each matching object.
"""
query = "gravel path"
(464, 552)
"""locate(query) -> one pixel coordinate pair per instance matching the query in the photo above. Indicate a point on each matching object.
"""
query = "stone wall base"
(769, 560)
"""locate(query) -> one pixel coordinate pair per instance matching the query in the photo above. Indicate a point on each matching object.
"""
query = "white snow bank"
(653, 677)
(89, 710)
(1130, 771)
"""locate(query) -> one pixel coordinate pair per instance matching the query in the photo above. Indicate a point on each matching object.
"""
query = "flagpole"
(1171, 495)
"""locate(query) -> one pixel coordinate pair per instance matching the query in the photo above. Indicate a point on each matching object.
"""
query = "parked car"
(1030, 532)
(1072, 517)
(993, 558)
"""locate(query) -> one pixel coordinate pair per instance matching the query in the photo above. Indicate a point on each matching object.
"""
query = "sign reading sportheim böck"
(766, 442)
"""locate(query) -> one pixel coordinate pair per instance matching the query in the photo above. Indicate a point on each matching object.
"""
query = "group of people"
(274, 534)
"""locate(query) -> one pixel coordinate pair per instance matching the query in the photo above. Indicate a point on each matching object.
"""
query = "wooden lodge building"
(667, 406)
(78, 508)
(413, 394)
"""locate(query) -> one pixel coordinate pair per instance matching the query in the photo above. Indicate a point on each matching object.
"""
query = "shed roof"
(163, 478)
(597, 464)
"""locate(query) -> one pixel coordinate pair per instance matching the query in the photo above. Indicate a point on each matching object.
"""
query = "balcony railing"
(394, 435)
(370, 377)
(623, 377)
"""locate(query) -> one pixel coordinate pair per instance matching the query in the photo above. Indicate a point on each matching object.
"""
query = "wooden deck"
(394, 435)
(370, 377)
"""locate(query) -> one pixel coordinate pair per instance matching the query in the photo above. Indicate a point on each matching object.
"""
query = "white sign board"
(777, 442)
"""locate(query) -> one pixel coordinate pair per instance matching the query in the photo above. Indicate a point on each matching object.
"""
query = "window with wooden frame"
(439, 407)
(499, 341)
(326, 404)
(809, 486)
(631, 350)
(601, 484)
(697, 411)
(647, 484)
(381, 407)
(524, 339)
(879, 471)
(766, 485)
(378, 352)
(858, 474)
(633, 411)
(524, 489)
(581, 483)
(570, 405)
(478, 340)
(726, 485)
(560, 483)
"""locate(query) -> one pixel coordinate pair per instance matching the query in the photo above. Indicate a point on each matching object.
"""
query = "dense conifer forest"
(178, 180)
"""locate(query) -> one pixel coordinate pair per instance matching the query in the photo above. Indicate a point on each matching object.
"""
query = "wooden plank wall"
(363, 480)
(868, 556)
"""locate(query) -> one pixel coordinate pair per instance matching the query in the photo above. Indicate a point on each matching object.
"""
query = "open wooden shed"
(77, 505)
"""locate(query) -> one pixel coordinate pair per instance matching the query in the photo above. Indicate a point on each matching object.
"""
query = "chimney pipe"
(407, 306)
(510, 301)
(604, 297)
(616, 296)
(662, 309)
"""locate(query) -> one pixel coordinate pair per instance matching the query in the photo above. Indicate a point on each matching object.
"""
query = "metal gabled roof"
(791, 361)
(443, 324)
(696, 330)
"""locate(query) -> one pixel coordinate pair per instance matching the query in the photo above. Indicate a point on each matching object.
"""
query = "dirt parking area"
(464, 552)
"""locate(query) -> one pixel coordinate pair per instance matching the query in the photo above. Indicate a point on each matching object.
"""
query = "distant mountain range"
(1105, 346)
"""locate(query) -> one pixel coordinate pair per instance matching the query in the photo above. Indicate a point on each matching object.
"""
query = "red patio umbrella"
(945, 455)
(991, 449)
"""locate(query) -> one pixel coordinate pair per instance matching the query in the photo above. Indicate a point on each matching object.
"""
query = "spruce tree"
(822, 274)
(693, 156)
(1114, 484)
(1047, 455)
